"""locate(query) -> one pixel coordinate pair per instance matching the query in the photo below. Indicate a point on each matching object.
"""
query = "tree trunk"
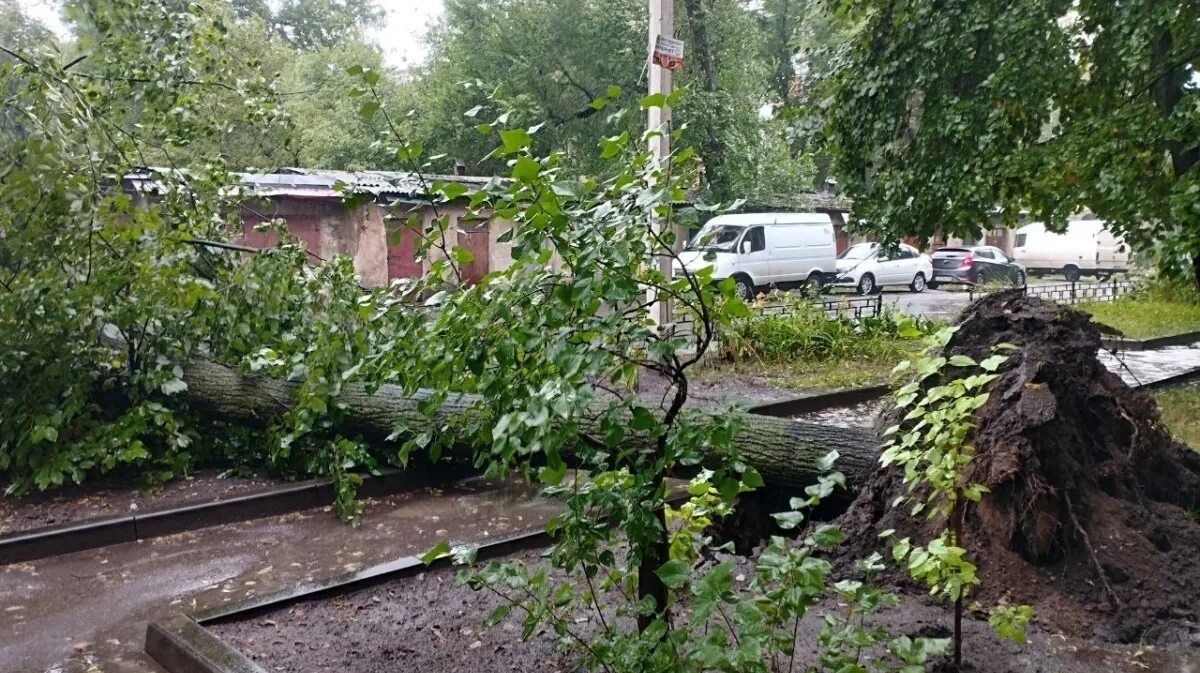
(714, 146)
(785, 452)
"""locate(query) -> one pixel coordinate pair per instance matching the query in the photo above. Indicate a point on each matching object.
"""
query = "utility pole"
(662, 22)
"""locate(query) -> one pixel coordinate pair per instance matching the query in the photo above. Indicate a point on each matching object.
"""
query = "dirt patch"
(78, 503)
(425, 623)
(1088, 517)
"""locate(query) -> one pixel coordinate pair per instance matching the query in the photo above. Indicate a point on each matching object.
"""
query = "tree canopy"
(945, 112)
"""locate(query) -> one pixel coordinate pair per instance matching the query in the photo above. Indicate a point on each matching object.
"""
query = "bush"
(802, 330)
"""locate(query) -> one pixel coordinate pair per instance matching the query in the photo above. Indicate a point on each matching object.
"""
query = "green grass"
(813, 375)
(1160, 307)
(1180, 408)
(1142, 317)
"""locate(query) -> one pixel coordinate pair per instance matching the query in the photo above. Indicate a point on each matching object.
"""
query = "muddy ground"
(425, 623)
(730, 388)
(78, 503)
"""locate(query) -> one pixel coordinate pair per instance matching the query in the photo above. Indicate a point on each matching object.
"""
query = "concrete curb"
(1123, 344)
(181, 645)
(1175, 379)
(812, 403)
(101, 532)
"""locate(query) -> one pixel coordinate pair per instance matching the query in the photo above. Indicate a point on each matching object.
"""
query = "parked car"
(868, 268)
(1086, 248)
(976, 265)
(760, 250)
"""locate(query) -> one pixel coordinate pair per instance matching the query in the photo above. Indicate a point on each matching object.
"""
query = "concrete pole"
(662, 22)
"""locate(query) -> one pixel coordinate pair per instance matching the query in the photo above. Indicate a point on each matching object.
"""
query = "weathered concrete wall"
(371, 255)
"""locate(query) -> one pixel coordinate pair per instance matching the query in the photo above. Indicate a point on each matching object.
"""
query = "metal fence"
(1069, 293)
(851, 306)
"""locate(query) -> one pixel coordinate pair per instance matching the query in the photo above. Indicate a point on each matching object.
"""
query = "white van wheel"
(815, 281)
(918, 283)
(1071, 273)
(745, 289)
(866, 284)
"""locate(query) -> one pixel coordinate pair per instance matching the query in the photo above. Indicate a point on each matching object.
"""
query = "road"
(935, 304)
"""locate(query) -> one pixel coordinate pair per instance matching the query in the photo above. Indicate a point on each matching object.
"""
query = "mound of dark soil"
(1089, 515)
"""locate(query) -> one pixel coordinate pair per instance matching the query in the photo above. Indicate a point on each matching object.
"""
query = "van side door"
(753, 255)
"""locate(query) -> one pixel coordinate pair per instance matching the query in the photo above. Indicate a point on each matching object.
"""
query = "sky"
(401, 38)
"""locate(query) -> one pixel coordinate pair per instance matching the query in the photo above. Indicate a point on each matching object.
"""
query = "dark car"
(975, 265)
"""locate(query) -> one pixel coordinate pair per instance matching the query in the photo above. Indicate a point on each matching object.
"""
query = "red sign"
(668, 52)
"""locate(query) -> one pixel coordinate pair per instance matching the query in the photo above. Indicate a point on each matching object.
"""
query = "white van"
(759, 250)
(1086, 248)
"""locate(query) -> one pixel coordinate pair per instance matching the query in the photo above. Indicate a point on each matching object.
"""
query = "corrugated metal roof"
(308, 182)
(311, 183)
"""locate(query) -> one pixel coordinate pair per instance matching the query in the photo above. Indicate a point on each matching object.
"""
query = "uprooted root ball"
(1088, 514)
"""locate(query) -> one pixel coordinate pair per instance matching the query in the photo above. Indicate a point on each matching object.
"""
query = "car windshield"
(720, 237)
(860, 251)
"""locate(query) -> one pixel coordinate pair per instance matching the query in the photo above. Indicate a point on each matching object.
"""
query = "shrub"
(802, 330)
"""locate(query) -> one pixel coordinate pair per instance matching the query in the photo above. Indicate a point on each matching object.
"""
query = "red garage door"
(402, 251)
(475, 240)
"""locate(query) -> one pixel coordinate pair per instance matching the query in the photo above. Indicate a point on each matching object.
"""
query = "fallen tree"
(785, 452)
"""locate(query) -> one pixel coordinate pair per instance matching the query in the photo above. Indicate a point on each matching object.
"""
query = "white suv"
(867, 268)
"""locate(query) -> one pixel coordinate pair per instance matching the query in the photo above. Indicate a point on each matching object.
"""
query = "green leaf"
(993, 363)
(752, 479)
(499, 614)
(828, 536)
(961, 361)
(368, 109)
(370, 76)
(515, 140)
(462, 255)
(526, 169)
(440, 550)
(613, 91)
(654, 100)
(788, 520)
(674, 573)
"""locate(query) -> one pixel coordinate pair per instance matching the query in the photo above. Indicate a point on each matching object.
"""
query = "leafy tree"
(549, 60)
(536, 61)
(944, 112)
(104, 290)
(19, 32)
(329, 131)
(309, 25)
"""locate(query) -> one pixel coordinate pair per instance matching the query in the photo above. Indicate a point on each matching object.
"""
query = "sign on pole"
(668, 52)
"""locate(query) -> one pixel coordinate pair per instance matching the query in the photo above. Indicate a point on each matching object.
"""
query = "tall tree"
(316, 24)
(949, 109)
(19, 32)
(534, 61)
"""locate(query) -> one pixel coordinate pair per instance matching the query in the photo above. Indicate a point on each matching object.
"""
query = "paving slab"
(1151, 366)
(87, 612)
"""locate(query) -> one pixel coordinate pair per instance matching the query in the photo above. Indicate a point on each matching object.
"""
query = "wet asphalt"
(87, 612)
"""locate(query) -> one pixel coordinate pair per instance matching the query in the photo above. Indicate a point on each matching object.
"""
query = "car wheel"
(815, 282)
(1071, 273)
(918, 283)
(866, 284)
(932, 285)
(1019, 279)
(745, 289)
